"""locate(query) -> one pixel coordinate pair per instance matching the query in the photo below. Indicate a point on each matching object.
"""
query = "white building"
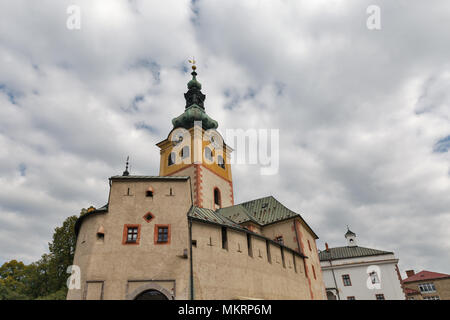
(357, 273)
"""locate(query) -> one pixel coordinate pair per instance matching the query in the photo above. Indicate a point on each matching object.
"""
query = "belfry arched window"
(208, 154)
(171, 159)
(220, 162)
(217, 200)
(184, 153)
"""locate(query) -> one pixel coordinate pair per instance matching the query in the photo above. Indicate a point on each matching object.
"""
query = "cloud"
(363, 115)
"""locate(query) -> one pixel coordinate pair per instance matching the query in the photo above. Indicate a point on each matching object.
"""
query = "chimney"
(326, 247)
(409, 273)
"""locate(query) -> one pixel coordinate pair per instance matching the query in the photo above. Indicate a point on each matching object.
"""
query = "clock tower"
(196, 149)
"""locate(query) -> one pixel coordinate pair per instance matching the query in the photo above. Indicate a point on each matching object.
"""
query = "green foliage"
(46, 278)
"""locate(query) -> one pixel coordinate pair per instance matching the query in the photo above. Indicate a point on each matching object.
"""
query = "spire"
(194, 96)
(351, 238)
(350, 233)
(126, 173)
(194, 109)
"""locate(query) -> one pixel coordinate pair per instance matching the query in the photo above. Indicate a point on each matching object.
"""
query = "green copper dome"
(195, 110)
(194, 84)
(190, 115)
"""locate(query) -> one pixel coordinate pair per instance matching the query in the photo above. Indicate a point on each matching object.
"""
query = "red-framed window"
(131, 234)
(346, 280)
(162, 234)
(148, 217)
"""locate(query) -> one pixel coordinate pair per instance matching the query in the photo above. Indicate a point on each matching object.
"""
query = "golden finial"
(193, 63)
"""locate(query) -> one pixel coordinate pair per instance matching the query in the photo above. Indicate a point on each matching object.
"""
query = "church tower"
(196, 149)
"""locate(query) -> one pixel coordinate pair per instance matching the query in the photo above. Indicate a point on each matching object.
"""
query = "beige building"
(179, 235)
(427, 285)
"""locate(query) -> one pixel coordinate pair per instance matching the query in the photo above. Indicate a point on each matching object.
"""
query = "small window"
(346, 280)
(184, 153)
(430, 298)
(380, 296)
(149, 193)
(208, 154)
(221, 162)
(351, 298)
(282, 257)
(131, 234)
(217, 200)
(224, 238)
(309, 246)
(148, 216)
(171, 159)
(162, 234)
(374, 277)
(314, 272)
(279, 240)
(427, 287)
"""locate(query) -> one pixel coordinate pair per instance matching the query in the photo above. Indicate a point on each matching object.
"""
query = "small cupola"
(351, 238)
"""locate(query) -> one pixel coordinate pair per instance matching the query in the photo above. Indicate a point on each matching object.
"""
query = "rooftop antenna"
(126, 173)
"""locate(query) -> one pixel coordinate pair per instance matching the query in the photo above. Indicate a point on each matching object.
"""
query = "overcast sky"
(364, 115)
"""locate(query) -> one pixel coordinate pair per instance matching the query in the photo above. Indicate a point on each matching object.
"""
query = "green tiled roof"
(261, 211)
(349, 252)
(211, 216)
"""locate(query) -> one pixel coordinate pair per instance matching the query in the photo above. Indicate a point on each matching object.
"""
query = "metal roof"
(261, 211)
(349, 252)
(209, 215)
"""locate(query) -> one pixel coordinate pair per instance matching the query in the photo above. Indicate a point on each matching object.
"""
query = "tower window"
(131, 234)
(217, 200)
(314, 272)
(171, 159)
(162, 234)
(346, 280)
(208, 154)
(184, 152)
(221, 162)
(309, 246)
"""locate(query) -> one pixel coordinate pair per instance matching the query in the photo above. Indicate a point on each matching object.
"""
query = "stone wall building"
(427, 285)
(179, 235)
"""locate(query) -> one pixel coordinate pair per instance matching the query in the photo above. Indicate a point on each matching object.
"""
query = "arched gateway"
(150, 291)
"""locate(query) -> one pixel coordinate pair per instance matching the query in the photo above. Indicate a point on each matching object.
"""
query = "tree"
(45, 278)
(62, 250)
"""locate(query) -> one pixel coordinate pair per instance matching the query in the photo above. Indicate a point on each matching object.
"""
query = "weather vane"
(193, 63)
